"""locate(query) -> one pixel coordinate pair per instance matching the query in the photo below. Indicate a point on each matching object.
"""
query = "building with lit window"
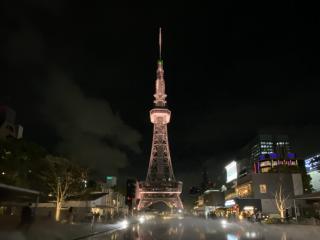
(8, 126)
(208, 202)
(267, 162)
(262, 167)
(312, 165)
(264, 153)
(108, 205)
(257, 192)
(269, 144)
(111, 181)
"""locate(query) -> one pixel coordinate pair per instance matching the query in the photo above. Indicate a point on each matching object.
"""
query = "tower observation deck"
(160, 184)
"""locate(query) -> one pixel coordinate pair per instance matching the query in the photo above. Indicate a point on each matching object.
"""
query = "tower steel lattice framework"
(160, 184)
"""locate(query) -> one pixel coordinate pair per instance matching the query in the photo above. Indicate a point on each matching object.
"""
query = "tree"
(20, 163)
(281, 201)
(64, 178)
(306, 179)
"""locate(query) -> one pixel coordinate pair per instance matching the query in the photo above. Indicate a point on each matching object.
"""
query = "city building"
(312, 165)
(263, 187)
(106, 205)
(265, 144)
(256, 191)
(265, 153)
(12, 200)
(208, 202)
(265, 165)
(111, 181)
(8, 126)
(267, 162)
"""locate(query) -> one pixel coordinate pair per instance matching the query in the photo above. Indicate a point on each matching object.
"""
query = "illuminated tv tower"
(160, 184)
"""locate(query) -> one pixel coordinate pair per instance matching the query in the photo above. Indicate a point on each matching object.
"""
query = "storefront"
(12, 200)
(242, 207)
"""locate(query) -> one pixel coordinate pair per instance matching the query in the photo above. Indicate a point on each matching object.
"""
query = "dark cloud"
(88, 129)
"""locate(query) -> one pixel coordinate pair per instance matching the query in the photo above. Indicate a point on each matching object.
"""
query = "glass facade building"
(270, 144)
(312, 165)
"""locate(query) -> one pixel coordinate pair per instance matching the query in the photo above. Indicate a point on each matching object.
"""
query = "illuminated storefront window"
(244, 190)
(265, 163)
(294, 163)
(263, 188)
(265, 169)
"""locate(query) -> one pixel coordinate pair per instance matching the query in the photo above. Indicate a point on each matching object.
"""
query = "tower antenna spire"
(160, 43)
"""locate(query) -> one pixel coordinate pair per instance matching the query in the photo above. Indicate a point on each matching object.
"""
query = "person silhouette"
(26, 218)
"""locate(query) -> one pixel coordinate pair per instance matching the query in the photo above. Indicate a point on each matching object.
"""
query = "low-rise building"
(12, 200)
(208, 202)
(257, 191)
(106, 205)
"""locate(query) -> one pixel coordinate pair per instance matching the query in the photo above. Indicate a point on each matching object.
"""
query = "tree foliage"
(64, 172)
(64, 178)
(306, 179)
(21, 161)
(25, 164)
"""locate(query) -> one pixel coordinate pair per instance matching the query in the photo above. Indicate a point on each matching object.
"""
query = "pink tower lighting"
(160, 184)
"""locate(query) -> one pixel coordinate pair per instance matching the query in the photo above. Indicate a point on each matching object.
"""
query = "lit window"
(265, 169)
(263, 188)
(265, 163)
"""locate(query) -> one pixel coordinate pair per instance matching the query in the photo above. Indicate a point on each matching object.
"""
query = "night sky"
(81, 77)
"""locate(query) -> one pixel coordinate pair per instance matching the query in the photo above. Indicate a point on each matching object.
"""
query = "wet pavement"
(195, 228)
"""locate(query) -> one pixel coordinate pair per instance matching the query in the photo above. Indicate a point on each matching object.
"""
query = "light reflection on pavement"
(195, 228)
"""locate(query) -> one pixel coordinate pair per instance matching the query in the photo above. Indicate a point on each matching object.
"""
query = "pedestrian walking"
(253, 218)
(287, 215)
(259, 217)
(70, 215)
(26, 218)
(92, 221)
